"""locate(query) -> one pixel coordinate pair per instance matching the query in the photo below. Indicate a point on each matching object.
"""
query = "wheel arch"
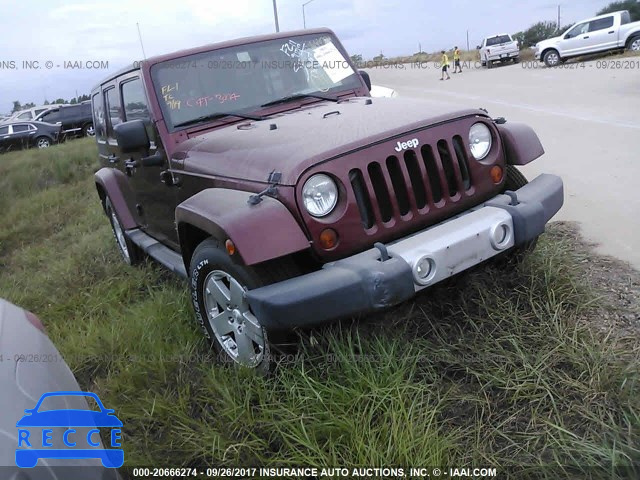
(548, 49)
(261, 232)
(633, 36)
(109, 184)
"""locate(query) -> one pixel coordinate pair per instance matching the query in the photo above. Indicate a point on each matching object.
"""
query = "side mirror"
(365, 78)
(131, 136)
(477, 47)
(567, 36)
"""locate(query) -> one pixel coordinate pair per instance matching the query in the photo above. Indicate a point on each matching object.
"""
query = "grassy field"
(499, 368)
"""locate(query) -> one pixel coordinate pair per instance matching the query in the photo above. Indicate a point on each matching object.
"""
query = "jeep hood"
(293, 141)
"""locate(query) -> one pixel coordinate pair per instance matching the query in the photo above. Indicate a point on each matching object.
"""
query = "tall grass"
(499, 367)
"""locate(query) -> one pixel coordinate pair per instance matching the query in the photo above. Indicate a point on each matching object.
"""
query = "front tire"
(634, 44)
(551, 58)
(217, 285)
(131, 253)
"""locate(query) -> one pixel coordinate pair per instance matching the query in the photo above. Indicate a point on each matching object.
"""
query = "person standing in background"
(456, 60)
(445, 66)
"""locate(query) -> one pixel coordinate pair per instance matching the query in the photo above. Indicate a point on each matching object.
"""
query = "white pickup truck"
(498, 48)
(612, 31)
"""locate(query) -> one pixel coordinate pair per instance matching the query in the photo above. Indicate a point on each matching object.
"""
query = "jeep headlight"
(320, 195)
(479, 140)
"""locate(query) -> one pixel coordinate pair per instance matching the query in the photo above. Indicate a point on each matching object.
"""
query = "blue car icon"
(68, 419)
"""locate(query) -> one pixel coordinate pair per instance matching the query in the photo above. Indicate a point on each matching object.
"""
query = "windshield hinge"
(274, 179)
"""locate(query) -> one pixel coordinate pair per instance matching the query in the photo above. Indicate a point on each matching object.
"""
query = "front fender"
(521, 144)
(260, 232)
(115, 185)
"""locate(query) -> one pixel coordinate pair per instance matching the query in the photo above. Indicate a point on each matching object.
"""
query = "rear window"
(20, 128)
(4, 130)
(498, 40)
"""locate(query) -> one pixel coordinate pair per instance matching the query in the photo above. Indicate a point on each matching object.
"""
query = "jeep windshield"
(244, 79)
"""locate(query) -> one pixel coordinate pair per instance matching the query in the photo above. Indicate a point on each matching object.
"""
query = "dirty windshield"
(242, 79)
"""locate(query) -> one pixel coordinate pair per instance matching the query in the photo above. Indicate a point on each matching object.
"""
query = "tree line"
(17, 106)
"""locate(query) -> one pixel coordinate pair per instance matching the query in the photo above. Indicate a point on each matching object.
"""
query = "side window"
(98, 116)
(578, 30)
(4, 130)
(134, 100)
(20, 128)
(113, 108)
(51, 116)
(25, 116)
(39, 111)
(601, 24)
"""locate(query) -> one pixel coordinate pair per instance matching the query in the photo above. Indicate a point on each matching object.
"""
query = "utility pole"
(304, 20)
(558, 17)
(419, 47)
(275, 15)
(467, 40)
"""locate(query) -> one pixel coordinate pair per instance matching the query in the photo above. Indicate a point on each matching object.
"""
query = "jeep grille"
(418, 181)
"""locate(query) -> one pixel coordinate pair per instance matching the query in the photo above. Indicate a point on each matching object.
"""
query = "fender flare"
(114, 184)
(521, 143)
(260, 232)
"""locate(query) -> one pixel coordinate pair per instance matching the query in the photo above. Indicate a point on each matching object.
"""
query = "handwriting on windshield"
(207, 99)
(294, 50)
(167, 93)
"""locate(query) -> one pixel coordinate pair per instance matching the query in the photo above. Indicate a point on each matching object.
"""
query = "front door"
(155, 201)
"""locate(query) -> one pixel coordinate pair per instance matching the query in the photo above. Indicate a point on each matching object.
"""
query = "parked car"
(32, 368)
(76, 120)
(612, 31)
(289, 197)
(16, 136)
(28, 114)
(498, 48)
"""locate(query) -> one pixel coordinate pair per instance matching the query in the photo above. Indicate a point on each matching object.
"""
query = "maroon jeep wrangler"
(262, 170)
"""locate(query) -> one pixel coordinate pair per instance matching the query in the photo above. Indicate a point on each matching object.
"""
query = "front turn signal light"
(496, 174)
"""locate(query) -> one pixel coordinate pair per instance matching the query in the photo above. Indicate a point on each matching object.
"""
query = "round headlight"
(479, 140)
(320, 195)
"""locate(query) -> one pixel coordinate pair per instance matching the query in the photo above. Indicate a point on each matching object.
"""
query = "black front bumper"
(364, 283)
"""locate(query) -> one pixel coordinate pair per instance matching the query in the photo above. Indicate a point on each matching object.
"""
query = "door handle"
(129, 166)
(586, 37)
(113, 159)
(612, 31)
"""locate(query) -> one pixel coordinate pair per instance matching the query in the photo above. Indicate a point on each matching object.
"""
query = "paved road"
(588, 120)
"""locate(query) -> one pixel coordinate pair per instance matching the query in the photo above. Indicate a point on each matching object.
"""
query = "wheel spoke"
(246, 354)
(219, 291)
(252, 328)
(220, 322)
(236, 294)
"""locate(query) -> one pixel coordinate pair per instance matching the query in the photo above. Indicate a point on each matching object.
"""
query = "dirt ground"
(615, 282)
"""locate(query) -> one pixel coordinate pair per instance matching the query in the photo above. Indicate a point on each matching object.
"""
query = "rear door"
(602, 34)
(20, 135)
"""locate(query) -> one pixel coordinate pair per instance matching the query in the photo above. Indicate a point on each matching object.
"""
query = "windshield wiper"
(297, 96)
(213, 116)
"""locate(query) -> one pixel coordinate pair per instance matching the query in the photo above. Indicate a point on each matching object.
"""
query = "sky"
(68, 33)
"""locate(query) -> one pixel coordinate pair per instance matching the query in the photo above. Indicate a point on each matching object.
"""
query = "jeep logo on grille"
(413, 143)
